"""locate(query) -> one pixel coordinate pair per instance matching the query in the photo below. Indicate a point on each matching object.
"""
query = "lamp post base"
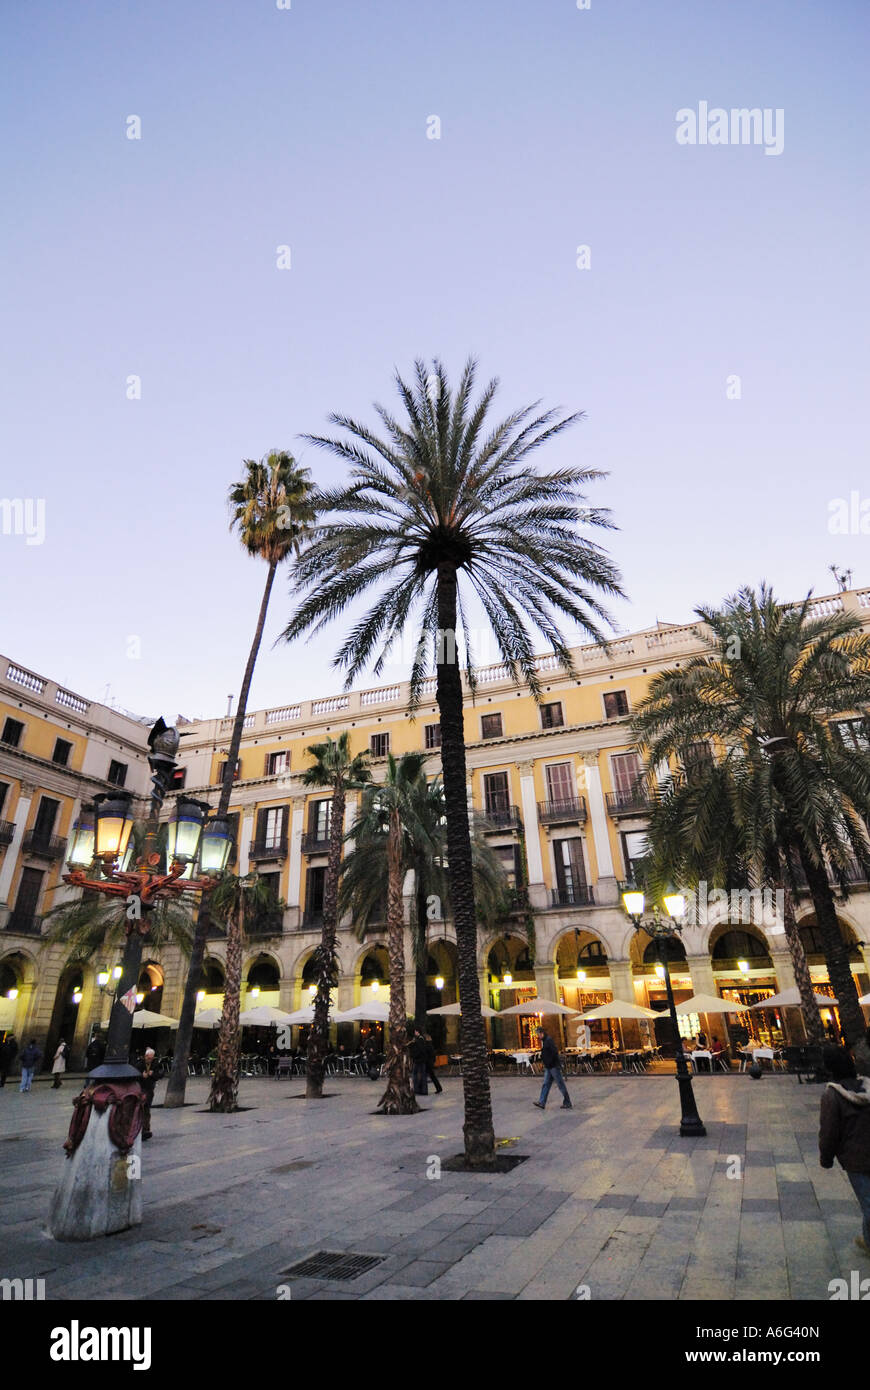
(691, 1124)
(100, 1190)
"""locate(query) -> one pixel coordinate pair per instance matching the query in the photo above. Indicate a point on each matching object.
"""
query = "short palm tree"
(771, 687)
(424, 853)
(445, 502)
(336, 768)
(271, 511)
(233, 901)
(700, 830)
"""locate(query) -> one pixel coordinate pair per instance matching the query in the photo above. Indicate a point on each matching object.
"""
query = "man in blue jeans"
(552, 1072)
(30, 1060)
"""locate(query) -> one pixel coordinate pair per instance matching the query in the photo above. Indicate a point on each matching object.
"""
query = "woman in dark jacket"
(844, 1132)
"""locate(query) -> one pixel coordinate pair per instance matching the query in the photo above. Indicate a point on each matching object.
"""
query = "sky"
(715, 333)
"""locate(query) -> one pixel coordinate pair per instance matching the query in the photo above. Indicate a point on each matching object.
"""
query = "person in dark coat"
(95, 1052)
(844, 1131)
(430, 1064)
(8, 1053)
(148, 1082)
(552, 1072)
(861, 1052)
(30, 1060)
(419, 1057)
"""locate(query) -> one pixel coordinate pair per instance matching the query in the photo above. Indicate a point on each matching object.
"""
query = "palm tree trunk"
(836, 952)
(420, 953)
(325, 962)
(478, 1129)
(224, 1092)
(178, 1077)
(809, 1007)
(398, 1098)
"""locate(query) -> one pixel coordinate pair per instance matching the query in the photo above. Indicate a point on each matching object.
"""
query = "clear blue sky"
(307, 127)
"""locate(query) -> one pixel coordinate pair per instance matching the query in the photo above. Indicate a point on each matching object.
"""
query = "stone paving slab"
(610, 1198)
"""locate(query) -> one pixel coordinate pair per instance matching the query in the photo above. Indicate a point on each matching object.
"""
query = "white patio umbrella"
(538, 1006)
(708, 1004)
(145, 1019)
(865, 999)
(263, 1016)
(791, 998)
(454, 1009)
(375, 1012)
(208, 1018)
(620, 1009)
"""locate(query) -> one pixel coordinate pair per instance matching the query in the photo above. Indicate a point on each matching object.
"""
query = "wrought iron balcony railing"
(315, 842)
(636, 802)
(45, 846)
(568, 810)
(501, 818)
(579, 896)
(7, 831)
(26, 923)
(269, 849)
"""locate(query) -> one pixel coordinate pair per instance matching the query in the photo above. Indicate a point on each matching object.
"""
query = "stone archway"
(67, 1015)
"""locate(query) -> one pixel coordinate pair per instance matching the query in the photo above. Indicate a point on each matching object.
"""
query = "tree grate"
(328, 1265)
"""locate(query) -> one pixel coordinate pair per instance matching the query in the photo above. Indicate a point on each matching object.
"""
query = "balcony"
(500, 820)
(316, 842)
(270, 924)
(268, 849)
(25, 923)
(636, 802)
(570, 810)
(312, 917)
(45, 846)
(7, 830)
(580, 896)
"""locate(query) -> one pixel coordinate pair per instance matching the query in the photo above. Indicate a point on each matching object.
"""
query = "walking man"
(844, 1133)
(430, 1063)
(30, 1060)
(148, 1082)
(552, 1072)
(58, 1066)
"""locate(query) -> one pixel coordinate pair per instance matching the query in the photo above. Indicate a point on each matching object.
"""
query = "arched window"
(741, 945)
(264, 974)
(674, 950)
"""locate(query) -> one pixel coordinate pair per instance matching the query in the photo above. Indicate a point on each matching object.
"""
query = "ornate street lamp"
(104, 833)
(663, 931)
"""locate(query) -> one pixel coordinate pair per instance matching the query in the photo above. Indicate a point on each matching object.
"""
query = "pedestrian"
(430, 1064)
(844, 1131)
(552, 1071)
(58, 1066)
(95, 1052)
(862, 1054)
(148, 1082)
(419, 1057)
(8, 1053)
(30, 1060)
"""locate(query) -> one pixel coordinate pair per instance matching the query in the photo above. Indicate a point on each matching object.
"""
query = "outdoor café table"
(524, 1059)
(704, 1056)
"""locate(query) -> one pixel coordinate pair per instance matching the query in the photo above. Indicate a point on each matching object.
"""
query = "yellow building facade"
(552, 785)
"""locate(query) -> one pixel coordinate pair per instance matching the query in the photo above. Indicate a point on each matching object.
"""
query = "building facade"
(553, 785)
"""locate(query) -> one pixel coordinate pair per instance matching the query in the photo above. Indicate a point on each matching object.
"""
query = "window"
(117, 773)
(570, 869)
(433, 735)
(696, 757)
(552, 716)
(561, 787)
(4, 787)
(271, 827)
(277, 762)
(615, 704)
(62, 750)
(379, 745)
(12, 731)
(179, 778)
(634, 846)
(319, 813)
(46, 815)
(315, 882)
(511, 863)
(853, 734)
(626, 769)
(222, 768)
(233, 823)
(490, 726)
(27, 900)
(496, 792)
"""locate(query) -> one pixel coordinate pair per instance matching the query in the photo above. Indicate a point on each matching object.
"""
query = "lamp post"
(100, 1191)
(663, 930)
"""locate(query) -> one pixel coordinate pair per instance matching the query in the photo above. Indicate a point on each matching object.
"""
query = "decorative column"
(246, 835)
(10, 859)
(294, 881)
(606, 888)
(701, 972)
(537, 888)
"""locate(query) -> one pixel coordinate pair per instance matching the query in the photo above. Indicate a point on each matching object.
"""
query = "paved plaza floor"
(609, 1204)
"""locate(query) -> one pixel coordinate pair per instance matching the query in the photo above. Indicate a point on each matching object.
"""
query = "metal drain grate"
(328, 1265)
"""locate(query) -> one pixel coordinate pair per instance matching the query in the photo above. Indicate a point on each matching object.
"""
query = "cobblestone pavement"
(609, 1197)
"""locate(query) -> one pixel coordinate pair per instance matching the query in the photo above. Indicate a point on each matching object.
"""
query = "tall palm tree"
(271, 511)
(771, 686)
(233, 901)
(424, 854)
(336, 768)
(701, 829)
(445, 503)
